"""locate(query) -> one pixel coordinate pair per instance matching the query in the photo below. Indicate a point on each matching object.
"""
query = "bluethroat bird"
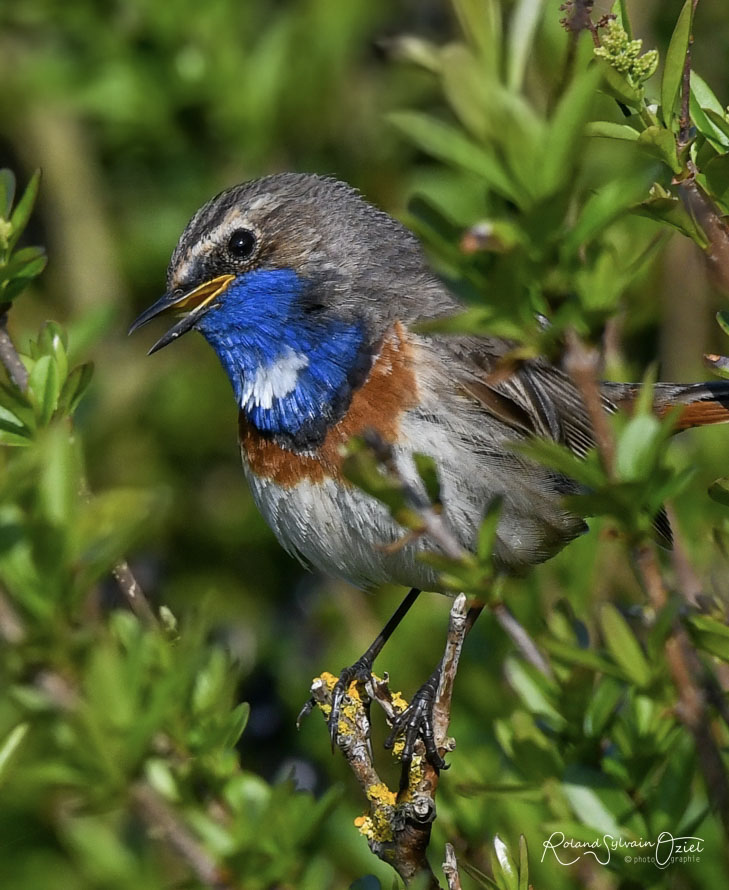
(310, 296)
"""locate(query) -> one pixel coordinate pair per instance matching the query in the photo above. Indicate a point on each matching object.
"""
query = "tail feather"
(698, 404)
(694, 404)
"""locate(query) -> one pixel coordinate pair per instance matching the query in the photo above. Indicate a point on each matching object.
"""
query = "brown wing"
(536, 398)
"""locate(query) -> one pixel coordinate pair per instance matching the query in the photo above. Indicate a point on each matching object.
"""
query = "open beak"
(194, 304)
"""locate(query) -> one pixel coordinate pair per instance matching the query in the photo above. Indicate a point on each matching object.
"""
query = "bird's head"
(294, 276)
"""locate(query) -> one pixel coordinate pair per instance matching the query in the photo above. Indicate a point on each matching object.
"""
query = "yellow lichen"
(380, 793)
(329, 680)
(377, 826)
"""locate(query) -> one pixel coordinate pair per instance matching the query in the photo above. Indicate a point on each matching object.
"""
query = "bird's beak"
(194, 304)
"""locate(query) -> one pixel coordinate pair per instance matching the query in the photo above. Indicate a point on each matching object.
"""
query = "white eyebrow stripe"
(274, 381)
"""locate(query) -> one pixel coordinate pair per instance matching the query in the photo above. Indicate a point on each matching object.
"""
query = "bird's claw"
(361, 672)
(416, 722)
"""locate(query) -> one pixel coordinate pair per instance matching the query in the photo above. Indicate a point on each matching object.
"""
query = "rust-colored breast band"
(389, 390)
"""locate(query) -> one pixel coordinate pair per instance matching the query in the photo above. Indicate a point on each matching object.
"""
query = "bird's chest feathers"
(377, 404)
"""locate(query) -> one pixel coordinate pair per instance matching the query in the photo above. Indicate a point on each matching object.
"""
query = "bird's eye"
(241, 244)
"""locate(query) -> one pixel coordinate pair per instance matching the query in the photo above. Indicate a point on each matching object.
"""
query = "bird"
(314, 301)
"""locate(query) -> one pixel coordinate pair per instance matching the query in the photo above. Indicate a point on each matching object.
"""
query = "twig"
(133, 593)
(162, 820)
(706, 214)
(582, 365)
(398, 824)
(450, 868)
(521, 639)
(12, 629)
(684, 121)
(9, 355)
(685, 668)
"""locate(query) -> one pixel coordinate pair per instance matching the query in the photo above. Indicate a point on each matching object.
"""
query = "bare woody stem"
(164, 822)
(9, 356)
(398, 824)
(684, 121)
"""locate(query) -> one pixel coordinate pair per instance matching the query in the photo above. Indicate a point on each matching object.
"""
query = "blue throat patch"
(292, 368)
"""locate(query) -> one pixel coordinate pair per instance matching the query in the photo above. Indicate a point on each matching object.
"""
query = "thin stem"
(9, 355)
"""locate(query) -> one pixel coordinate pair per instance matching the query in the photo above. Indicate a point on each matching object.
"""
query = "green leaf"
(523, 863)
(637, 446)
(26, 263)
(10, 747)
(593, 799)
(671, 211)
(44, 383)
(60, 475)
(74, 388)
(522, 28)
(237, 722)
(566, 132)
(529, 684)
(623, 645)
(551, 454)
(24, 208)
(717, 177)
(610, 130)
(428, 472)
(480, 21)
(602, 705)
(7, 192)
(503, 866)
(720, 122)
(706, 125)
(587, 658)
(445, 142)
(487, 530)
(604, 206)
(719, 491)
(111, 523)
(661, 143)
(704, 95)
(620, 9)
(53, 341)
(617, 85)
(10, 422)
(674, 64)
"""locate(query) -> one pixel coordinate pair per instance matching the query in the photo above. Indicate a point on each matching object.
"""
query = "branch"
(134, 594)
(9, 356)
(684, 121)
(582, 364)
(685, 668)
(450, 868)
(398, 824)
(161, 820)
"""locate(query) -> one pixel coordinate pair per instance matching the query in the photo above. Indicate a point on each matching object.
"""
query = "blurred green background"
(138, 112)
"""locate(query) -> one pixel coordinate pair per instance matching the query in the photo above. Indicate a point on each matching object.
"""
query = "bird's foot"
(416, 722)
(361, 672)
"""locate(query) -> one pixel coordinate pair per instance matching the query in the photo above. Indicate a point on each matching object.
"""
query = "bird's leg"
(416, 721)
(361, 670)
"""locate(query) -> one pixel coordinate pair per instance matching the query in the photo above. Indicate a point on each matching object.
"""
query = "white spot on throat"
(274, 381)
